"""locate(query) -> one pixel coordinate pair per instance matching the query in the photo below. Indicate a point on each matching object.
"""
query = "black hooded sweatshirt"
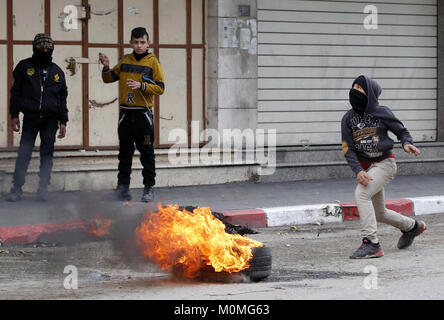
(365, 136)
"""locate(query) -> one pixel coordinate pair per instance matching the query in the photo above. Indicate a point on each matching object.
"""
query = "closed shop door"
(309, 52)
(83, 28)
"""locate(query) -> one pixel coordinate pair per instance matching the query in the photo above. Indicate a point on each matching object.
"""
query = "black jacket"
(33, 97)
(365, 137)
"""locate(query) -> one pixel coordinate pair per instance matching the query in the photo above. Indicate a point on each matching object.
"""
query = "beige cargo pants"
(370, 201)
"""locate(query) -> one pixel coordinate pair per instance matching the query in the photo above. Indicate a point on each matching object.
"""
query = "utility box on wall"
(244, 11)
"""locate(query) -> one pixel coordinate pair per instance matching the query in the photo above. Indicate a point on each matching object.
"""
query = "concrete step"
(107, 157)
(295, 164)
(90, 170)
(105, 178)
(340, 169)
(429, 150)
(74, 170)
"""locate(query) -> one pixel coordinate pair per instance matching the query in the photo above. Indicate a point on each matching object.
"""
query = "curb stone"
(252, 218)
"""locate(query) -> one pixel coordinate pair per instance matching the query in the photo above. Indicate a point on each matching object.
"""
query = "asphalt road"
(309, 262)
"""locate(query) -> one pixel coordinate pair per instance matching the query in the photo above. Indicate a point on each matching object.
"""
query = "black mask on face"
(42, 58)
(358, 100)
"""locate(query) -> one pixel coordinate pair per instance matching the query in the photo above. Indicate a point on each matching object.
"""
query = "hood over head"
(373, 90)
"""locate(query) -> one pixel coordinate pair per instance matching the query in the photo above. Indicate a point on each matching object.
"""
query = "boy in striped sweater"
(140, 79)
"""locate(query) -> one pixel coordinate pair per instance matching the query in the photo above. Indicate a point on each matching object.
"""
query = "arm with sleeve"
(154, 86)
(348, 146)
(111, 75)
(397, 127)
(63, 95)
(16, 92)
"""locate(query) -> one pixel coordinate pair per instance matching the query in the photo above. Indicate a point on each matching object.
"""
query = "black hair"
(139, 33)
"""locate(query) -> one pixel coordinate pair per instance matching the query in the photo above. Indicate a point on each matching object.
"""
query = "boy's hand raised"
(409, 148)
(104, 60)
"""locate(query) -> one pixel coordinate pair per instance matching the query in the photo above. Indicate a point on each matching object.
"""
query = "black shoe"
(148, 194)
(407, 237)
(15, 194)
(368, 250)
(123, 192)
(42, 194)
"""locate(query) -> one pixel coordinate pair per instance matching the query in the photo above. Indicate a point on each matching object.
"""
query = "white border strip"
(304, 214)
(428, 205)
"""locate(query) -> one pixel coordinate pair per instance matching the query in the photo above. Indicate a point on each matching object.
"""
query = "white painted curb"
(303, 214)
(333, 212)
(428, 205)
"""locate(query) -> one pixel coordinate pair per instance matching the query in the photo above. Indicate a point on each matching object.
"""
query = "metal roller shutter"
(309, 52)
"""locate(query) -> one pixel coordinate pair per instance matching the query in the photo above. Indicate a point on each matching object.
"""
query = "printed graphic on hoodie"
(365, 137)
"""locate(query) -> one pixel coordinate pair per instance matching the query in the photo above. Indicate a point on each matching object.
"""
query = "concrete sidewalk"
(251, 204)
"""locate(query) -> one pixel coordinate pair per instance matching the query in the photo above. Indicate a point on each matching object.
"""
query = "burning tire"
(260, 268)
(260, 264)
(184, 246)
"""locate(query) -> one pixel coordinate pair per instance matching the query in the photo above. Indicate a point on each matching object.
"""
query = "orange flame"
(172, 238)
(98, 227)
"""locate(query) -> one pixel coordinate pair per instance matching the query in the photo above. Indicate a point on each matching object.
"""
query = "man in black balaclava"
(39, 92)
(368, 150)
(42, 47)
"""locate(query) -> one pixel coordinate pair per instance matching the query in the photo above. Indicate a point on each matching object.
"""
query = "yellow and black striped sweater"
(147, 71)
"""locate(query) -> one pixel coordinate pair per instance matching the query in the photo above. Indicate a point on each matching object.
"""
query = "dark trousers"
(136, 128)
(47, 127)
